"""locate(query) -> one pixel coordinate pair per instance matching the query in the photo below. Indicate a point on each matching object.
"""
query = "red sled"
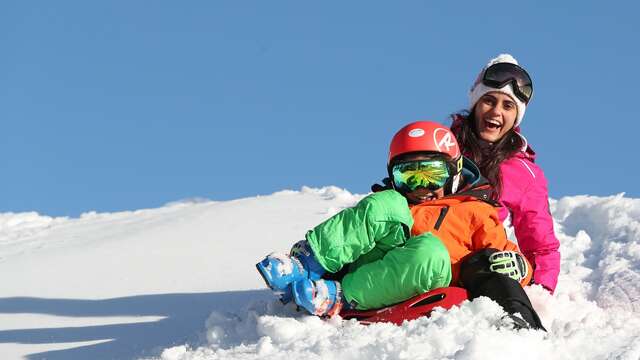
(417, 306)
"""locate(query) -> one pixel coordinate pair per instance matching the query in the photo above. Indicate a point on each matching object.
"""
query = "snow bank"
(178, 283)
(595, 313)
(15, 227)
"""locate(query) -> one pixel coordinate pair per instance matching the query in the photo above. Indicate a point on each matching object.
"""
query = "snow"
(179, 283)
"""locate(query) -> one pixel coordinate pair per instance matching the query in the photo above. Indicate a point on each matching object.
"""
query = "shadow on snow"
(184, 320)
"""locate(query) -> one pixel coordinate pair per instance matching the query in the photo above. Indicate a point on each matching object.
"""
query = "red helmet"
(424, 136)
(429, 136)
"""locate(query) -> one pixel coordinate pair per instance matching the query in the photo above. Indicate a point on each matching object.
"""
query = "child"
(407, 240)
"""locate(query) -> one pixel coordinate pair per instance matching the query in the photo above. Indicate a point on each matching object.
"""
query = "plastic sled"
(417, 306)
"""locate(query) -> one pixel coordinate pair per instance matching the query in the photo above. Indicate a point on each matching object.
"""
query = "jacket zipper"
(443, 213)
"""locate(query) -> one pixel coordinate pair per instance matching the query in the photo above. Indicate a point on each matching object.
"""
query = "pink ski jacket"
(525, 199)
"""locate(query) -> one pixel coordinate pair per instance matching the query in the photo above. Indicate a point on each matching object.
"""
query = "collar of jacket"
(475, 186)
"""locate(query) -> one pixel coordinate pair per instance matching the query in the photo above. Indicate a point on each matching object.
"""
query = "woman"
(489, 134)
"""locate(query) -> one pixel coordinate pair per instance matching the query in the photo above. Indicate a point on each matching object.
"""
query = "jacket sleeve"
(489, 233)
(533, 227)
(382, 219)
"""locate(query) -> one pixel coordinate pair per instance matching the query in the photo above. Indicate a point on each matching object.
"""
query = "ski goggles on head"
(430, 174)
(501, 74)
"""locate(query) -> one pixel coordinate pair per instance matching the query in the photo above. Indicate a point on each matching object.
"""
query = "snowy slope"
(179, 282)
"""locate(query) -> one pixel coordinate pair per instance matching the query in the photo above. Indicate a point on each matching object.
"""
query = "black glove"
(386, 185)
(509, 263)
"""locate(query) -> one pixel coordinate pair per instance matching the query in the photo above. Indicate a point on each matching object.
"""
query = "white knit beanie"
(479, 89)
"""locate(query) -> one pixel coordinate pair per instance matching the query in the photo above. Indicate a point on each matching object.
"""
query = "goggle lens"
(430, 174)
(500, 74)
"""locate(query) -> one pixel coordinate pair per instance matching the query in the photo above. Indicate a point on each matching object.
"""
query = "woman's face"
(495, 113)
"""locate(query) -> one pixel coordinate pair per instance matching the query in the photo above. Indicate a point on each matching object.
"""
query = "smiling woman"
(495, 113)
(489, 133)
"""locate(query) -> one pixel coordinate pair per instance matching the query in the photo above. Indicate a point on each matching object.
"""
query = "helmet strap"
(390, 174)
(455, 183)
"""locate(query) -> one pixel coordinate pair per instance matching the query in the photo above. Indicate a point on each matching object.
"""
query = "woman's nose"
(495, 110)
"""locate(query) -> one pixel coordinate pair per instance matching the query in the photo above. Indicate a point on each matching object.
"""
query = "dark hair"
(486, 155)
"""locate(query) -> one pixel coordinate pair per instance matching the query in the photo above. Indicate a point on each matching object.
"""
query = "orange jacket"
(464, 224)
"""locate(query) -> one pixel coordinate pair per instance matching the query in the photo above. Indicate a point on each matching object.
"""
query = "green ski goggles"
(429, 174)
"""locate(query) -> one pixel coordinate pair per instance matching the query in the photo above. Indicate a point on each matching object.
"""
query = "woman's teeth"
(493, 124)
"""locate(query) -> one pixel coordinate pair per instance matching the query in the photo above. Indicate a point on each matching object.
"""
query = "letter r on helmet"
(445, 142)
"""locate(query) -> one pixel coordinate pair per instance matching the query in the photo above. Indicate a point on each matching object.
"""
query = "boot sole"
(282, 299)
(264, 277)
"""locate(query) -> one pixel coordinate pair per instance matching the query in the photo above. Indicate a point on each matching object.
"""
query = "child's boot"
(280, 270)
(319, 297)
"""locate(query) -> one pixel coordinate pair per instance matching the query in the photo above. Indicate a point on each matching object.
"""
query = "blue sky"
(123, 105)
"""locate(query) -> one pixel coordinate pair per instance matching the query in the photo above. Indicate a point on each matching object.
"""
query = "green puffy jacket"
(385, 264)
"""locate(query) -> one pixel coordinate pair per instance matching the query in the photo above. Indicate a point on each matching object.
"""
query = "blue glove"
(509, 263)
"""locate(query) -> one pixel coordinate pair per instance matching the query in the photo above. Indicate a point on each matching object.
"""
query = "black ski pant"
(480, 281)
